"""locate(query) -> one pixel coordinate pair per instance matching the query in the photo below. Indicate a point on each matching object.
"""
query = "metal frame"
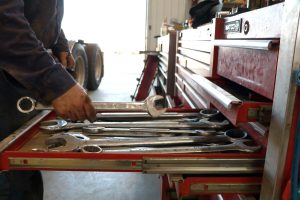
(147, 78)
(283, 104)
(9, 140)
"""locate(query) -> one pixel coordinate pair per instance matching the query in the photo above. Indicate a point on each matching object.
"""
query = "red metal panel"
(258, 138)
(147, 78)
(165, 187)
(184, 186)
(254, 69)
(218, 33)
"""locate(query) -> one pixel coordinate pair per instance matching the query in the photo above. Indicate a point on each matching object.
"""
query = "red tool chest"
(241, 77)
(209, 71)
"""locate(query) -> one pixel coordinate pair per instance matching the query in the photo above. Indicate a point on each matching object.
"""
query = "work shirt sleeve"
(24, 57)
(61, 45)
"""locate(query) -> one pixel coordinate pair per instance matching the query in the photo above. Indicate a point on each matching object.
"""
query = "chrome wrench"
(238, 145)
(140, 116)
(60, 124)
(150, 105)
(75, 142)
(143, 132)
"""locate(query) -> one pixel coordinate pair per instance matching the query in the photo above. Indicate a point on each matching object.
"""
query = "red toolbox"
(243, 94)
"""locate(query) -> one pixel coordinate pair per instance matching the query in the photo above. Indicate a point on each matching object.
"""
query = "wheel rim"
(98, 69)
(80, 71)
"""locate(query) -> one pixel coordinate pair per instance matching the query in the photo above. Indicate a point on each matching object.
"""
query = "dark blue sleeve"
(23, 56)
(61, 44)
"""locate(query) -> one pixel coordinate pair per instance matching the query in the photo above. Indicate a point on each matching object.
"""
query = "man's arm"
(62, 52)
(23, 56)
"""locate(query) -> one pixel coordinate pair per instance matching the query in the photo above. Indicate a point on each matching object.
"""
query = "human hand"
(74, 104)
(66, 59)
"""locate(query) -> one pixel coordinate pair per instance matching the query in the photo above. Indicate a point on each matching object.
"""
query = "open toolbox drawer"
(17, 155)
(237, 104)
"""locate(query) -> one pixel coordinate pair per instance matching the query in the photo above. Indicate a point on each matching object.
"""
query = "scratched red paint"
(253, 69)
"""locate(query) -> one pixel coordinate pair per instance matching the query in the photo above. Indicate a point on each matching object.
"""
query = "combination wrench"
(74, 142)
(151, 105)
(60, 125)
(142, 116)
(143, 132)
(238, 145)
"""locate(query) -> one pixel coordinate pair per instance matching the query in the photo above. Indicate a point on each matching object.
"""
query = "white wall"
(117, 26)
(120, 25)
(158, 10)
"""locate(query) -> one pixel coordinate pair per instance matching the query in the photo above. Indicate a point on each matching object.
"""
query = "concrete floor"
(118, 83)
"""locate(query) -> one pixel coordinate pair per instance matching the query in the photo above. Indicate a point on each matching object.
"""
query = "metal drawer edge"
(222, 96)
(186, 98)
(184, 165)
(74, 163)
(196, 96)
(22, 130)
(248, 44)
(225, 187)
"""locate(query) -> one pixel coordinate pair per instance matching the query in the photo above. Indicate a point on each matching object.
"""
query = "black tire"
(81, 64)
(96, 65)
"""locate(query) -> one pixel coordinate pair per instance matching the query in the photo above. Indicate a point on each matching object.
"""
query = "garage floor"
(118, 83)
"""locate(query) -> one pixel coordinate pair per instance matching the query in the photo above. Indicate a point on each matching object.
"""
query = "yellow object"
(235, 1)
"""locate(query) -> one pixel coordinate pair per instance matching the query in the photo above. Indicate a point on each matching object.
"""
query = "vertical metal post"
(283, 102)
(171, 63)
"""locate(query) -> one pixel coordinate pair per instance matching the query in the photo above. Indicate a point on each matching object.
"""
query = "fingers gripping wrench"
(150, 105)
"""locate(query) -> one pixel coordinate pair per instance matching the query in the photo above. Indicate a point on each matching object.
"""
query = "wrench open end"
(53, 125)
(246, 146)
(155, 105)
(65, 142)
(91, 149)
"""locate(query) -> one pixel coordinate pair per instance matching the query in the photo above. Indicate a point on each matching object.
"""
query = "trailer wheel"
(96, 66)
(81, 64)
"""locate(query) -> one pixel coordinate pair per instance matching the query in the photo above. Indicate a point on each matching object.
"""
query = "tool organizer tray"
(17, 154)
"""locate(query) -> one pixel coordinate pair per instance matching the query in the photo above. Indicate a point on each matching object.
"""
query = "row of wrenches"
(193, 135)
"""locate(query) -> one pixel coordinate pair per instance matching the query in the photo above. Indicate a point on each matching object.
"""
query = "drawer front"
(198, 100)
(163, 44)
(201, 33)
(186, 102)
(196, 67)
(199, 62)
(254, 69)
(196, 45)
(192, 94)
(163, 62)
(200, 56)
(195, 49)
(255, 24)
